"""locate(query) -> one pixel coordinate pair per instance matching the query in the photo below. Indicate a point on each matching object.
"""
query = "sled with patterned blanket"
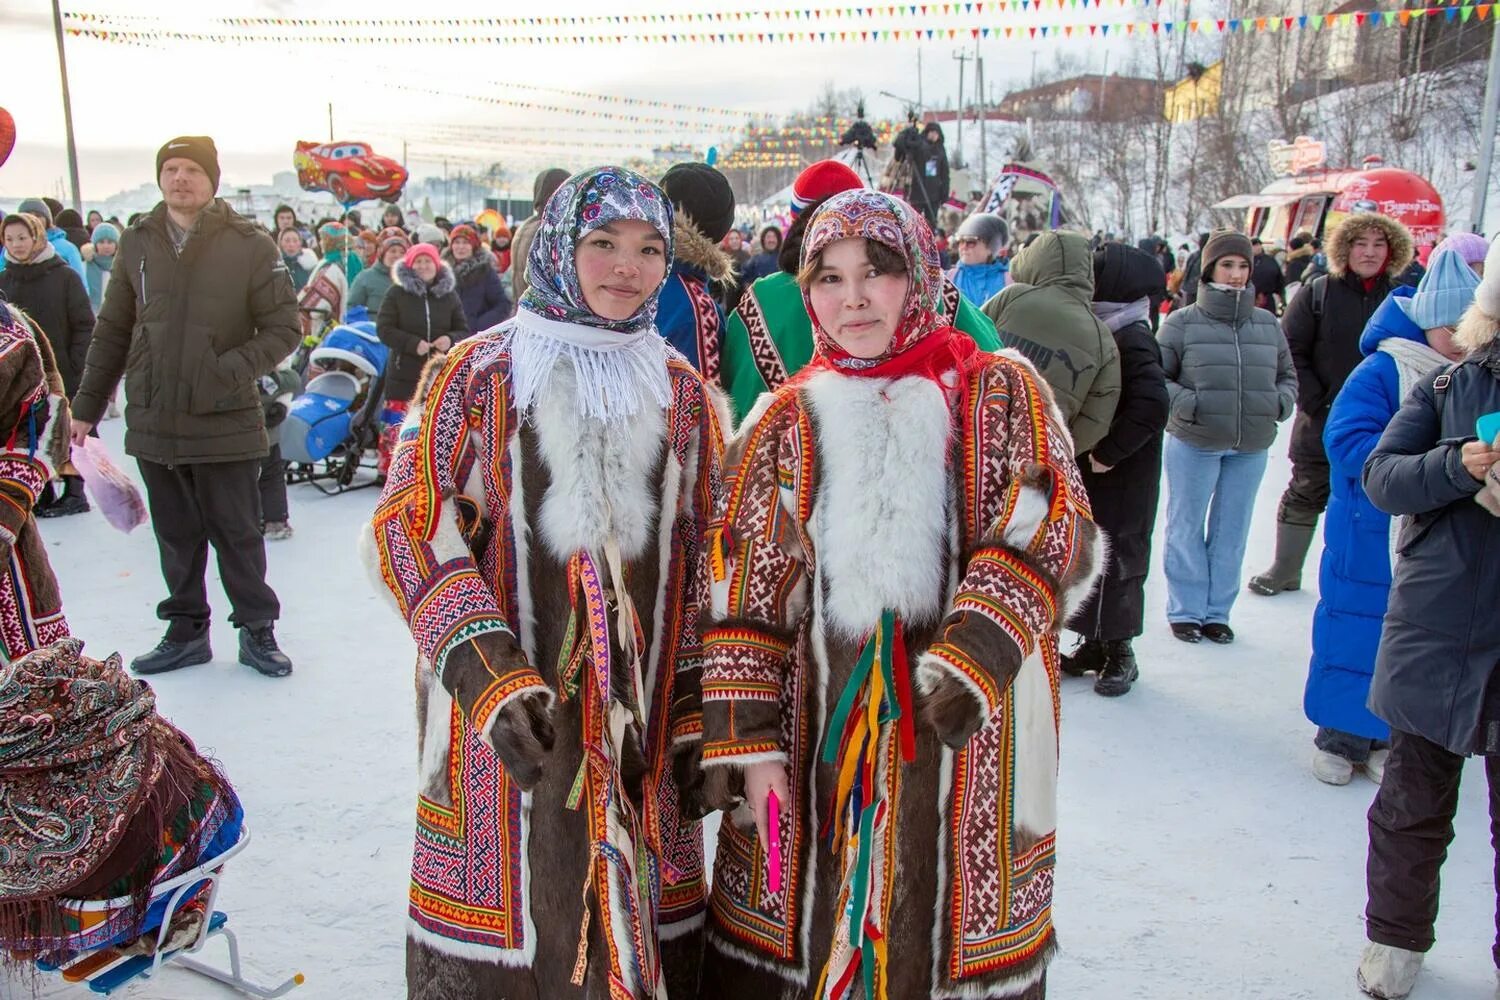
(179, 923)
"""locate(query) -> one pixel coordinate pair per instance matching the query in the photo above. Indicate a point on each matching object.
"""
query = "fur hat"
(104, 231)
(422, 250)
(1224, 243)
(431, 234)
(1397, 238)
(701, 193)
(1487, 295)
(823, 179)
(198, 148)
(987, 228)
(1443, 294)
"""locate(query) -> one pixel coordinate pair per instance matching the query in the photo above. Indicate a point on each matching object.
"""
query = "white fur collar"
(601, 471)
(880, 522)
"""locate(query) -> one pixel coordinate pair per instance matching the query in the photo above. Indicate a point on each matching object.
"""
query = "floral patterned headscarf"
(891, 222)
(588, 201)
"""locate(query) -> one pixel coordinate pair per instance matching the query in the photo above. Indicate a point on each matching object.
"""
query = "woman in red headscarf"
(904, 534)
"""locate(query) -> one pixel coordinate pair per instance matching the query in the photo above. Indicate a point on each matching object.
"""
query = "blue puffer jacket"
(980, 282)
(1355, 579)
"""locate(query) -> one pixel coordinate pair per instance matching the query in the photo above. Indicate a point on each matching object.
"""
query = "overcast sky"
(257, 100)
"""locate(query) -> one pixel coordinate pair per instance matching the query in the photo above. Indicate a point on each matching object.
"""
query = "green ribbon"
(846, 703)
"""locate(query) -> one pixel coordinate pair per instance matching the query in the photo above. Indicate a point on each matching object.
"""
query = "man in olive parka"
(1045, 314)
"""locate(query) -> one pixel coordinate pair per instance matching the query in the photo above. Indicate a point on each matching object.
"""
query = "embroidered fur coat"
(491, 536)
(960, 509)
(33, 441)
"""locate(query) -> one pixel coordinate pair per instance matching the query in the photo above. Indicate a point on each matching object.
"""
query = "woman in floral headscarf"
(903, 533)
(541, 531)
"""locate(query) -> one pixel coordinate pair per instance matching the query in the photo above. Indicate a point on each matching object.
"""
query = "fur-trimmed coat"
(413, 313)
(1325, 342)
(960, 510)
(689, 314)
(34, 421)
(481, 535)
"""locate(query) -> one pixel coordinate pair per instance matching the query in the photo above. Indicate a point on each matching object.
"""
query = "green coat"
(191, 335)
(1046, 313)
(769, 337)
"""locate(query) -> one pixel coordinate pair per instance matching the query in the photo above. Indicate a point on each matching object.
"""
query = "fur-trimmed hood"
(1476, 330)
(444, 283)
(1396, 236)
(698, 251)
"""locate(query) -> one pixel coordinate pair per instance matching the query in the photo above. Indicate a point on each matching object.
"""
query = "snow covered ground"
(1197, 859)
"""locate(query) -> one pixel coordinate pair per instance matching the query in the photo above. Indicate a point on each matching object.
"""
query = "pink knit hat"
(422, 250)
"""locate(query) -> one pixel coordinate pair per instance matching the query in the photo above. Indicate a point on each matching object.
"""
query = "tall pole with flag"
(62, 67)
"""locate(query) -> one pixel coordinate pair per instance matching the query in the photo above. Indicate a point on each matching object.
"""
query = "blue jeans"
(1203, 567)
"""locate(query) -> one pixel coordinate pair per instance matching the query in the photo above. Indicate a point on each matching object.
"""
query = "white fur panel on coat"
(880, 523)
(602, 473)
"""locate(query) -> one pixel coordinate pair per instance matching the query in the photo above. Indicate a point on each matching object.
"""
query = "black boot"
(45, 499)
(174, 654)
(258, 649)
(1088, 656)
(1120, 670)
(72, 500)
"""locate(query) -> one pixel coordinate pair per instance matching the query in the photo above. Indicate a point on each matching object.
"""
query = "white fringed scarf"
(1414, 358)
(618, 373)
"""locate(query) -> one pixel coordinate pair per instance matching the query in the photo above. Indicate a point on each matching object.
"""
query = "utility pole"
(1486, 132)
(984, 132)
(62, 67)
(330, 121)
(919, 74)
(958, 151)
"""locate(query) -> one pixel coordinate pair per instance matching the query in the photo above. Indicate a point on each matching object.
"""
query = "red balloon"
(7, 135)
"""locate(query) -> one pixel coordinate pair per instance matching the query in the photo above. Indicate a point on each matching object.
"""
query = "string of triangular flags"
(1305, 22)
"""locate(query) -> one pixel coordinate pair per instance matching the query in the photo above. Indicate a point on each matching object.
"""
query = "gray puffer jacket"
(1229, 371)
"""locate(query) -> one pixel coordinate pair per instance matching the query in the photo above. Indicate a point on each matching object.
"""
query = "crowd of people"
(791, 529)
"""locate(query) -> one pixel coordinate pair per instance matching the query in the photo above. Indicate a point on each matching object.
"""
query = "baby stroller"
(335, 422)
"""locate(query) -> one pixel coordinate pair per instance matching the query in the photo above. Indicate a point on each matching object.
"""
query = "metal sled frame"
(348, 458)
(176, 891)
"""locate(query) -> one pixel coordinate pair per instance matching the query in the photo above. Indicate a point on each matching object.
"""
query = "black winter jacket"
(1325, 348)
(52, 294)
(414, 312)
(481, 291)
(191, 334)
(1435, 671)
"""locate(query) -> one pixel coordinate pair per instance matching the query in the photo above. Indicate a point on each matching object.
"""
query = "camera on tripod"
(860, 134)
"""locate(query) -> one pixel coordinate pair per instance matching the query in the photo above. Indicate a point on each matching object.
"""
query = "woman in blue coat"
(1409, 335)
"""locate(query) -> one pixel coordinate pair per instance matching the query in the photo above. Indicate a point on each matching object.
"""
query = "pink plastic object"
(116, 494)
(773, 807)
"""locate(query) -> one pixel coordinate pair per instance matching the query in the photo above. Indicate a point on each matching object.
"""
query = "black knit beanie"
(704, 195)
(198, 148)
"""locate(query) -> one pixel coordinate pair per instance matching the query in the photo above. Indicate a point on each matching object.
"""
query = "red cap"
(822, 180)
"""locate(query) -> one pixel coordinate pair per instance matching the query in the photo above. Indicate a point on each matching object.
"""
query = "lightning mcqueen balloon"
(349, 171)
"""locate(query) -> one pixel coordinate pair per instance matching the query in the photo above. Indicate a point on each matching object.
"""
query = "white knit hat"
(1487, 295)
